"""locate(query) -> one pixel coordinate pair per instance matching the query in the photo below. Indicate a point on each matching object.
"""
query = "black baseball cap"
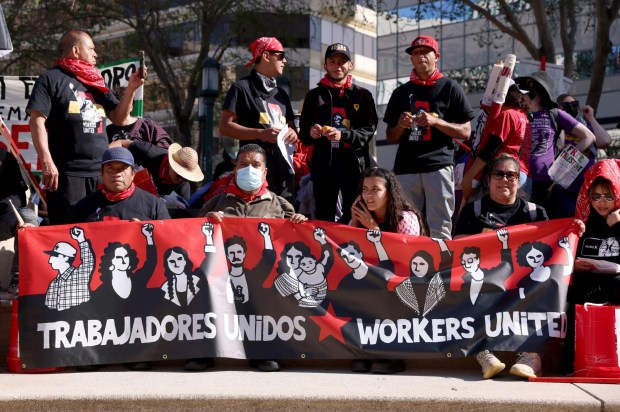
(337, 48)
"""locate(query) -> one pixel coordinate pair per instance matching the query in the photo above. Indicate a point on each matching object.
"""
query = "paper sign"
(567, 166)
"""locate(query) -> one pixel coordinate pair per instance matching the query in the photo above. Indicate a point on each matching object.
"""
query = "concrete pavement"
(430, 385)
(232, 386)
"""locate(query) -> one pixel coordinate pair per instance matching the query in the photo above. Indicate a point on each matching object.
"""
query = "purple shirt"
(543, 142)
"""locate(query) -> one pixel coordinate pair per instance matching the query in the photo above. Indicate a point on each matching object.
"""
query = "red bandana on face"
(85, 72)
(117, 197)
(428, 82)
(348, 82)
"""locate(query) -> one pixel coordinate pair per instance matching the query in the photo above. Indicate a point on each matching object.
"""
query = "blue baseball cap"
(118, 154)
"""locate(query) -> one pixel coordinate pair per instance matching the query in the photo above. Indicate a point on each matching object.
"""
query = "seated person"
(118, 197)
(171, 169)
(502, 207)
(598, 205)
(137, 129)
(247, 195)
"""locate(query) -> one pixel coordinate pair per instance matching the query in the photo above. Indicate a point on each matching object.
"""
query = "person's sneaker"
(198, 364)
(528, 365)
(491, 366)
(138, 366)
(385, 367)
(361, 365)
(265, 365)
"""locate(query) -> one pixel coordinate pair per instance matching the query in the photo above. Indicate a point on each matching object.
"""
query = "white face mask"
(249, 178)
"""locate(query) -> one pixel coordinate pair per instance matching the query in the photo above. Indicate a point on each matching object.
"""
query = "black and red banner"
(112, 292)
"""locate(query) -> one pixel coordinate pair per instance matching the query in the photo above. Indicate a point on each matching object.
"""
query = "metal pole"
(207, 139)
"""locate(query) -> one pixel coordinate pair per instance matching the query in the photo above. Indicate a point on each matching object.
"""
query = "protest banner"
(115, 291)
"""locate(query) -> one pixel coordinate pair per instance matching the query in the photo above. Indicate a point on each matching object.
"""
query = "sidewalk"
(430, 385)
(235, 387)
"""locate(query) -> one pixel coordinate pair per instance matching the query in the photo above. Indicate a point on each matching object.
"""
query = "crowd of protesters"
(135, 171)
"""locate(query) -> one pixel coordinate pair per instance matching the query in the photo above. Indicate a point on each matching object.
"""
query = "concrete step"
(233, 386)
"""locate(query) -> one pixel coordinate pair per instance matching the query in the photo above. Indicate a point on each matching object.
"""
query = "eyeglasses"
(570, 105)
(280, 55)
(597, 197)
(499, 175)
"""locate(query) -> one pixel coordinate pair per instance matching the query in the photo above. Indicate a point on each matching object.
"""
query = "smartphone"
(141, 53)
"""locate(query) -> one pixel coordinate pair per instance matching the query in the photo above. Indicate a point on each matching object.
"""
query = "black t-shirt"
(141, 205)
(257, 108)
(600, 241)
(496, 216)
(434, 149)
(75, 121)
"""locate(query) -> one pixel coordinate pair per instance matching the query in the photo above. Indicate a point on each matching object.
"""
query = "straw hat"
(184, 161)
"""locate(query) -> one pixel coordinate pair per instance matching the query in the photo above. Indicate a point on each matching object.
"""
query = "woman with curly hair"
(383, 205)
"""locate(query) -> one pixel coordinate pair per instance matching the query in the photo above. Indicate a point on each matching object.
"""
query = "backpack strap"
(478, 208)
(531, 207)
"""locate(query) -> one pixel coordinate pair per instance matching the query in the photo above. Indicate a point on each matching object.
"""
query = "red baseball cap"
(261, 44)
(423, 41)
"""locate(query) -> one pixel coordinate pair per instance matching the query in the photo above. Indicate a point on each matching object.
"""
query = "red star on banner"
(330, 324)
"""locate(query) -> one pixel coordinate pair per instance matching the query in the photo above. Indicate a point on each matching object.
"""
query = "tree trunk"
(605, 17)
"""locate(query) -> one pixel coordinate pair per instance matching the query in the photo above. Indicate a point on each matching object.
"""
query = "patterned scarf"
(429, 82)
(84, 72)
(348, 83)
(232, 188)
(117, 197)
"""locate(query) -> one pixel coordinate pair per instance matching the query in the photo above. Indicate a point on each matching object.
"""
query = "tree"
(509, 21)
(176, 35)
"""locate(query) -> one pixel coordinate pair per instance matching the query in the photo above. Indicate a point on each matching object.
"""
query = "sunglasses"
(597, 197)
(570, 105)
(280, 55)
(499, 175)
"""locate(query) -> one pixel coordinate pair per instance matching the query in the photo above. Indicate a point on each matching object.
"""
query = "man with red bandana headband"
(424, 116)
(339, 119)
(67, 111)
(256, 109)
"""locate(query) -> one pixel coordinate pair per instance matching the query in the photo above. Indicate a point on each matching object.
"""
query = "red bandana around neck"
(232, 188)
(428, 82)
(117, 197)
(348, 83)
(84, 72)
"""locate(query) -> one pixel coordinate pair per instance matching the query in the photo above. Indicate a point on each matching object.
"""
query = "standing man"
(256, 110)
(339, 119)
(67, 111)
(423, 116)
